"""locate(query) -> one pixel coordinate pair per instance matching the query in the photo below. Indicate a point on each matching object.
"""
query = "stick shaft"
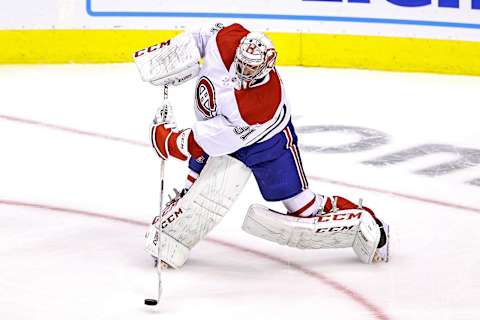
(160, 220)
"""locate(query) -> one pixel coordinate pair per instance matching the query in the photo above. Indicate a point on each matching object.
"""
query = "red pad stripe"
(191, 179)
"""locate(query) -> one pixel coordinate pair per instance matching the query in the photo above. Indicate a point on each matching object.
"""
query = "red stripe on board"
(356, 297)
(138, 143)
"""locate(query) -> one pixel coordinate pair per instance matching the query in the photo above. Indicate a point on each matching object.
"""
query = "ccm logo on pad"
(335, 229)
(171, 218)
(339, 216)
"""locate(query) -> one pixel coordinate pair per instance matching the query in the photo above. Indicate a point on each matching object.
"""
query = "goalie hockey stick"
(158, 266)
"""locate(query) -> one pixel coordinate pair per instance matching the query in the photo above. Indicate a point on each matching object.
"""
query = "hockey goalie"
(243, 127)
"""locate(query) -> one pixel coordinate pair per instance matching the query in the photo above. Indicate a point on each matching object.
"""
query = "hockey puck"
(151, 302)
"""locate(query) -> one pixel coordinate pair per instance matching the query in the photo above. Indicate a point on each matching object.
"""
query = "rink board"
(369, 52)
(400, 35)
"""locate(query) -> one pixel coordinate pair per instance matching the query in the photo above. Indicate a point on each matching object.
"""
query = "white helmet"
(255, 57)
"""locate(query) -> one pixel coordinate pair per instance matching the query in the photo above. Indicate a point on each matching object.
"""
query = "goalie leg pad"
(341, 229)
(204, 205)
(174, 253)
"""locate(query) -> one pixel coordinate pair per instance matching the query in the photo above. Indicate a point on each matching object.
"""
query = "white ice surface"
(59, 264)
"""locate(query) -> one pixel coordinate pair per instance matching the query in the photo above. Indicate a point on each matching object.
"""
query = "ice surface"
(74, 202)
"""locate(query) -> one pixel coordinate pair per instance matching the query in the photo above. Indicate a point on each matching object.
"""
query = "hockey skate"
(163, 265)
(382, 254)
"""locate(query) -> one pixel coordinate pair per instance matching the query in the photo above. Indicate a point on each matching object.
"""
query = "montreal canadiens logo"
(205, 98)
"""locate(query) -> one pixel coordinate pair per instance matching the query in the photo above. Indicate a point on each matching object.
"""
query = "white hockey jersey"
(231, 118)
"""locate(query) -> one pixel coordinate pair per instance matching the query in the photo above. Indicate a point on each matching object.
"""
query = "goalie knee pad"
(192, 214)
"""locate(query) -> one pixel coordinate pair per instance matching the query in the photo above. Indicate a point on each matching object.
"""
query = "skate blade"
(383, 254)
(163, 264)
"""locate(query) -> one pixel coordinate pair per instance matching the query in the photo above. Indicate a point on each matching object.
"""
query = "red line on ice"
(69, 210)
(138, 143)
(358, 298)
(374, 310)
(398, 194)
(72, 130)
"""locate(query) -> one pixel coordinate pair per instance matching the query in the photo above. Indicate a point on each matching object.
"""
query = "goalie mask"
(255, 57)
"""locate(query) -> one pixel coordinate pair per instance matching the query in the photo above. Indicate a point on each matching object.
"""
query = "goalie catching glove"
(169, 141)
